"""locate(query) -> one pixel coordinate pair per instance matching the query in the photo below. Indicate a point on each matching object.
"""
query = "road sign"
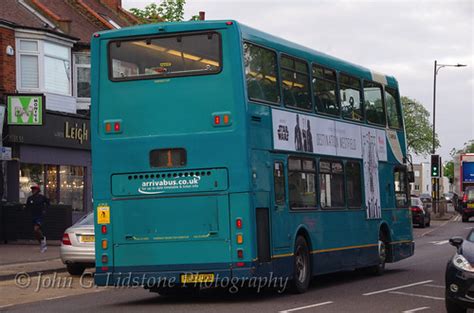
(6, 154)
(25, 109)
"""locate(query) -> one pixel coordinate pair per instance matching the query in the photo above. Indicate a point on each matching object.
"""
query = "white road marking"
(306, 307)
(396, 288)
(439, 243)
(416, 295)
(417, 309)
(54, 298)
(432, 230)
(6, 306)
(435, 286)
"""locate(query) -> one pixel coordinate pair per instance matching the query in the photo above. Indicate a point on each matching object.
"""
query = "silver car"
(78, 246)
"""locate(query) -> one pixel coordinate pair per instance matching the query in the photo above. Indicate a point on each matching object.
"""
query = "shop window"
(51, 191)
(30, 174)
(72, 186)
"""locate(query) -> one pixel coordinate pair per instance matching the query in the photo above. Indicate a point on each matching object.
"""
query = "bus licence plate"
(87, 238)
(470, 205)
(197, 278)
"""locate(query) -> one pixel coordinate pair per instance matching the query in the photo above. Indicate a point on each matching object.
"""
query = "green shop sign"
(25, 109)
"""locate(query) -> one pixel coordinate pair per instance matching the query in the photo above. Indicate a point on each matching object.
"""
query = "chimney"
(114, 5)
(65, 26)
(202, 15)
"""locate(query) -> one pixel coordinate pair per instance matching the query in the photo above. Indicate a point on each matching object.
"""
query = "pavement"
(27, 258)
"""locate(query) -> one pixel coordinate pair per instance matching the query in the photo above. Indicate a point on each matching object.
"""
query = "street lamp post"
(435, 193)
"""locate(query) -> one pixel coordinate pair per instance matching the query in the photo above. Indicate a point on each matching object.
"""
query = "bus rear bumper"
(133, 278)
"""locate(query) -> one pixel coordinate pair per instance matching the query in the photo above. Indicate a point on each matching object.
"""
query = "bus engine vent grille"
(169, 175)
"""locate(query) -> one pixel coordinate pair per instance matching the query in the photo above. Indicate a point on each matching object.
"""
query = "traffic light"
(435, 165)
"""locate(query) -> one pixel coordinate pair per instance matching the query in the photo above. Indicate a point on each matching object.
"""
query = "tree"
(166, 11)
(419, 131)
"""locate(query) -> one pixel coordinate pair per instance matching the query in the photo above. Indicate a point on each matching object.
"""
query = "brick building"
(45, 59)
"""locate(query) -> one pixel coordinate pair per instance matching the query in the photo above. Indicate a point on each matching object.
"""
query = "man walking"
(38, 204)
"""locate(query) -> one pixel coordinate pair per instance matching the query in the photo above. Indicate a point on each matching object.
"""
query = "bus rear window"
(153, 57)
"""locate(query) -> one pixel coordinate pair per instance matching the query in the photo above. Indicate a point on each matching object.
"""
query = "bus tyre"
(75, 269)
(379, 269)
(453, 307)
(301, 267)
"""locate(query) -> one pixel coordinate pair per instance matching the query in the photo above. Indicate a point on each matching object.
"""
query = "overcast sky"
(396, 37)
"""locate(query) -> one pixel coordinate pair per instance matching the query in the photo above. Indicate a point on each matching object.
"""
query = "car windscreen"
(87, 220)
(165, 56)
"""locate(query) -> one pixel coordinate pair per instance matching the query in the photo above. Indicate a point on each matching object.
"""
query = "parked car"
(467, 204)
(420, 214)
(425, 198)
(78, 246)
(460, 276)
(452, 197)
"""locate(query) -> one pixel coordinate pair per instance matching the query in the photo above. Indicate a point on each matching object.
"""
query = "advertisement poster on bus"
(371, 172)
(301, 132)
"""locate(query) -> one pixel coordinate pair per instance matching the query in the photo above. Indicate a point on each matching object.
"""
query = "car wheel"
(379, 269)
(422, 222)
(465, 219)
(453, 307)
(75, 269)
(301, 267)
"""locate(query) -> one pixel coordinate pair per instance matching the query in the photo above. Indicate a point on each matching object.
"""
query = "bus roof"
(258, 37)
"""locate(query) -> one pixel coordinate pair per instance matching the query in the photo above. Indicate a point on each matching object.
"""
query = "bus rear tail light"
(116, 126)
(238, 223)
(226, 119)
(240, 264)
(104, 244)
(217, 119)
(240, 253)
(464, 198)
(105, 258)
(66, 241)
(104, 229)
(108, 127)
(416, 209)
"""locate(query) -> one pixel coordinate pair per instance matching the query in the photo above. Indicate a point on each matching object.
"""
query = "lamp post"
(435, 193)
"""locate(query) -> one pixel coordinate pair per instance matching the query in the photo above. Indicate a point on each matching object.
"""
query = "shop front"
(56, 156)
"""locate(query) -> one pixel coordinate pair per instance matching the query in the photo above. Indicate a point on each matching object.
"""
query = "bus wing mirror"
(411, 177)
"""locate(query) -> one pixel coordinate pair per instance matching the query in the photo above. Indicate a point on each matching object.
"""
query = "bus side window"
(401, 187)
(279, 183)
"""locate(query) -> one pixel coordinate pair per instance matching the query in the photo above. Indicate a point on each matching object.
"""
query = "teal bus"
(222, 152)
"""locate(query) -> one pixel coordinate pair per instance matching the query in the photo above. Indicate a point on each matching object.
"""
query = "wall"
(7, 62)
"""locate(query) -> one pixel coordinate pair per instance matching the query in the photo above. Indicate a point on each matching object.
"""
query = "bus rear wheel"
(379, 269)
(301, 267)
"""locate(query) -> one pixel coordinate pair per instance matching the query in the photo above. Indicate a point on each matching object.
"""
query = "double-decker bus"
(220, 151)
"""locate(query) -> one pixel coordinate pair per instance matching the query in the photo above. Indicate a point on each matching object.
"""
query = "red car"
(420, 215)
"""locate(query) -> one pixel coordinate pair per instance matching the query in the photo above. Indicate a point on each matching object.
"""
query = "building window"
(61, 184)
(28, 55)
(82, 79)
(302, 183)
(331, 184)
(44, 65)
